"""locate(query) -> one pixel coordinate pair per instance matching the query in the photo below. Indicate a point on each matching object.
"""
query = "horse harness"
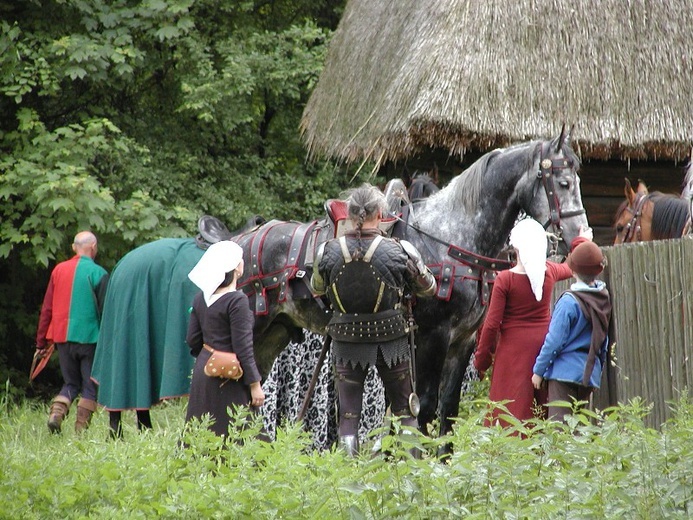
(465, 265)
(301, 251)
(634, 227)
(470, 265)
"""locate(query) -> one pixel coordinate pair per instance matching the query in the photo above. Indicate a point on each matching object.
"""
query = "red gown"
(513, 332)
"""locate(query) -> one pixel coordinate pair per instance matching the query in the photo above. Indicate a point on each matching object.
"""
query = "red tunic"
(72, 304)
(514, 330)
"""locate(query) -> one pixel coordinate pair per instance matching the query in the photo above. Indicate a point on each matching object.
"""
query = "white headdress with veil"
(211, 269)
(528, 237)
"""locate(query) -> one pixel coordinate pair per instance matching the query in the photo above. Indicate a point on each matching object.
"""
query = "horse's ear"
(561, 137)
(642, 187)
(569, 135)
(630, 194)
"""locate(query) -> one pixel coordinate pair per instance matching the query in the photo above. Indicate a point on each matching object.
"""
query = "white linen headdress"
(529, 238)
(211, 269)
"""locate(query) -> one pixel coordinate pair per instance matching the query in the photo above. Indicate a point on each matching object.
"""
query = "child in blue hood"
(575, 348)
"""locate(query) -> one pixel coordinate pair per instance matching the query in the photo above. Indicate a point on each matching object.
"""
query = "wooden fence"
(651, 285)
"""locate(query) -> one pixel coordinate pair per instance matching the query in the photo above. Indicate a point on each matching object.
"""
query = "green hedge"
(605, 465)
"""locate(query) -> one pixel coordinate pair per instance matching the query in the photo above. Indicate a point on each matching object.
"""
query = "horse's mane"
(687, 191)
(670, 214)
(467, 185)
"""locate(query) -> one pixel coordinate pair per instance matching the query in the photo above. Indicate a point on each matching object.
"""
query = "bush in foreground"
(605, 465)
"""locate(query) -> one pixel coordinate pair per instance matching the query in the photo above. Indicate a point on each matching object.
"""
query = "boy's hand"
(537, 381)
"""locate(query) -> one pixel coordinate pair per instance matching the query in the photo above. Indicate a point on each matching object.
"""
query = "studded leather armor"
(365, 278)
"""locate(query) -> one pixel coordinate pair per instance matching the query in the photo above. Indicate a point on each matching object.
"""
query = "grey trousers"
(75, 365)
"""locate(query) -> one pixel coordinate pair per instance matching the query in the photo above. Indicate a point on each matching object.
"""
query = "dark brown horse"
(423, 184)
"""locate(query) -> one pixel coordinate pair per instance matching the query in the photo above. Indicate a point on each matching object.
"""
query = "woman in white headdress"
(221, 319)
(518, 319)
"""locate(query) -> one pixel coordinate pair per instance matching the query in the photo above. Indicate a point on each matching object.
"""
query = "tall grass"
(605, 465)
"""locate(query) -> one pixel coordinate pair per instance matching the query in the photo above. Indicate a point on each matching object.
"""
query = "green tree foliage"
(134, 118)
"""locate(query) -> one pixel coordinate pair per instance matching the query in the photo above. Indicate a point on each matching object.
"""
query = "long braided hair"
(365, 203)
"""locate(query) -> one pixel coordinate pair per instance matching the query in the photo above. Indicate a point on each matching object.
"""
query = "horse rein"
(458, 253)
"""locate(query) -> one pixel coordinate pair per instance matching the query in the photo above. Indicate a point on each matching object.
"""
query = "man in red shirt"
(70, 317)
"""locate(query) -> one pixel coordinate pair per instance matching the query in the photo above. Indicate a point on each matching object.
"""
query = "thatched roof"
(403, 75)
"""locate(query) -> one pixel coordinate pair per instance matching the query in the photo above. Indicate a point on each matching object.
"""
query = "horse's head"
(423, 184)
(631, 219)
(556, 200)
(647, 216)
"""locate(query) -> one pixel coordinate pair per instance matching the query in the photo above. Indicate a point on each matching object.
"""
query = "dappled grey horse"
(460, 232)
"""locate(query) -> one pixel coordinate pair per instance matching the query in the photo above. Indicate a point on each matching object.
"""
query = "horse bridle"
(548, 166)
(633, 228)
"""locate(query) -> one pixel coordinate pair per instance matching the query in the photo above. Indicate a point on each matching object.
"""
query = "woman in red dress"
(517, 321)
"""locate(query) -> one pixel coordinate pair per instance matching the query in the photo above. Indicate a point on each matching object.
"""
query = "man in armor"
(366, 276)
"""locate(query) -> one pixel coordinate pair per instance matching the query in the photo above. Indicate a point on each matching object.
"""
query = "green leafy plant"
(598, 465)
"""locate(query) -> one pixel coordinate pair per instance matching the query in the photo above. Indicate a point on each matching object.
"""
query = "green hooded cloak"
(141, 355)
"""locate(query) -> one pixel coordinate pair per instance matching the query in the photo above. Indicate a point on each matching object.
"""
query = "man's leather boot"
(350, 444)
(85, 409)
(59, 409)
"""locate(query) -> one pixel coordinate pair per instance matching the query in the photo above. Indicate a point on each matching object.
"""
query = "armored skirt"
(393, 352)
(226, 325)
